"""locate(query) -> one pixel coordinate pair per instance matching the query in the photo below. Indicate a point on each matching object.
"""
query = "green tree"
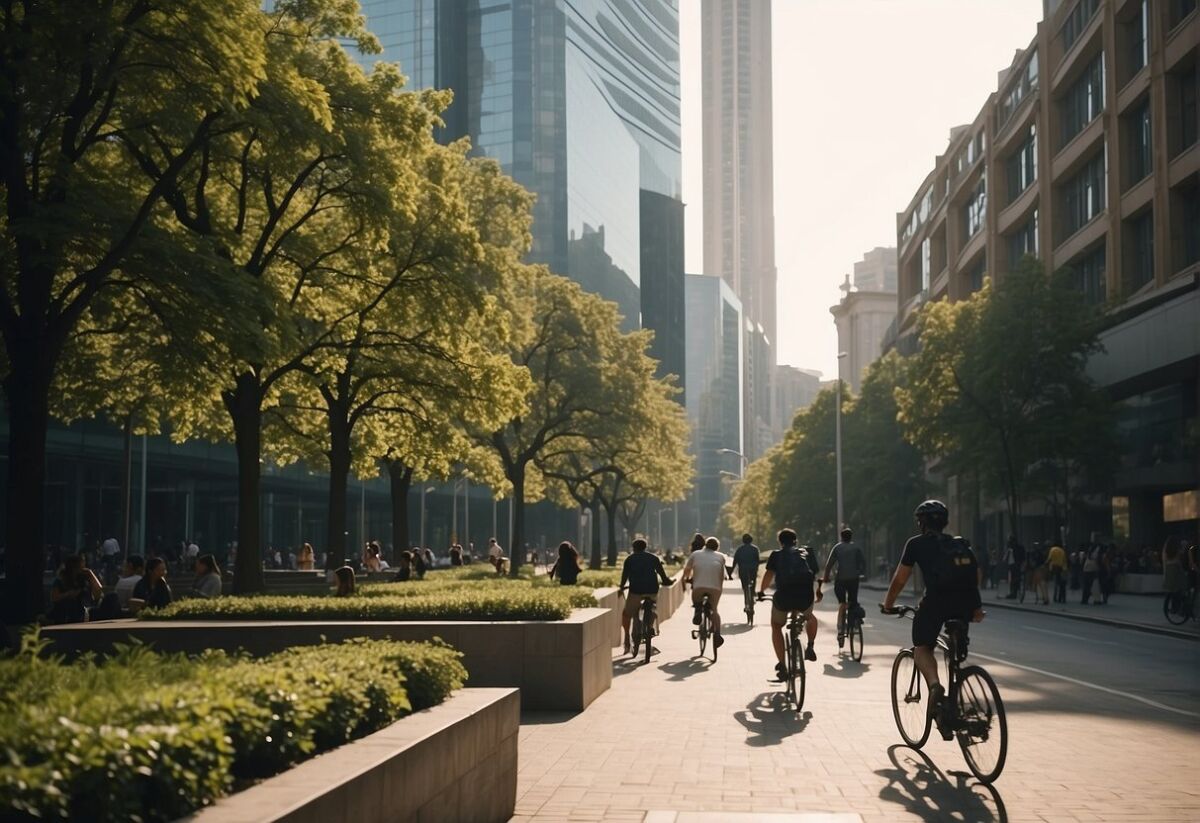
(999, 382)
(84, 85)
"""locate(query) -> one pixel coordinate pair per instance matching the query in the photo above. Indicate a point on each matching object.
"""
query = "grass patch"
(149, 736)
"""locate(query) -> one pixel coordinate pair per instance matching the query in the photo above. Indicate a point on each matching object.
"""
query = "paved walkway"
(685, 741)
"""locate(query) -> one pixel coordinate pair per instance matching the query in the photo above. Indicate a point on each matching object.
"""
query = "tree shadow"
(770, 719)
(684, 669)
(847, 668)
(926, 791)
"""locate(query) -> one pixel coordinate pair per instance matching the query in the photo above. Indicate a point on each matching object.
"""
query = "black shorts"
(844, 589)
(932, 615)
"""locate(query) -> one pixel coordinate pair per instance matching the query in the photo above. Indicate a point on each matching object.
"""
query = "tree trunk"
(244, 404)
(401, 482)
(516, 536)
(27, 390)
(339, 473)
(610, 514)
(594, 515)
(127, 485)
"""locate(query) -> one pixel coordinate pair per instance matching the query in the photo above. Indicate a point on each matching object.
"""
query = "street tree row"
(217, 224)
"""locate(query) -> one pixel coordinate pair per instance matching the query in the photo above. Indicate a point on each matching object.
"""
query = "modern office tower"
(739, 215)
(1087, 157)
(580, 103)
(794, 390)
(714, 398)
(865, 313)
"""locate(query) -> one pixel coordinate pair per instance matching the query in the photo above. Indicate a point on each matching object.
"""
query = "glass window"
(1023, 241)
(1135, 33)
(1137, 140)
(1153, 426)
(1088, 276)
(1083, 101)
(926, 264)
(1181, 506)
(1021, 167)
(1183, 114)
(1083, 196)
(1077, 21)
(1139, 252)
(1020, 89)
(977, 273)
(1179, 10)
(975, 210)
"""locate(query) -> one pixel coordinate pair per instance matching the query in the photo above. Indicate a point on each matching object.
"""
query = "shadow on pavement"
(546, 718)
(735, 628)
(684, 669)
(923, 789)
(626, 664)
(770, 719)
(846, 667)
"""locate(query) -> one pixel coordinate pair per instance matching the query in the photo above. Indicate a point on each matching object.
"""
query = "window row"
(1082, 196)
(1083, 101)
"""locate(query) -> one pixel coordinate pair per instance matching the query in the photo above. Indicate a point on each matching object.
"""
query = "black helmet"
(932, 507)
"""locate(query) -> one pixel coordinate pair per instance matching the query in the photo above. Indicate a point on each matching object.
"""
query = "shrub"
(146, 736)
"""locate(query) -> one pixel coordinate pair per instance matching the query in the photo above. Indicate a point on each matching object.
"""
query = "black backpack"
(792, 568)
(955, 569)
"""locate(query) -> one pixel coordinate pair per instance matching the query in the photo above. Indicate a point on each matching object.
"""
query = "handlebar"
(898, 611)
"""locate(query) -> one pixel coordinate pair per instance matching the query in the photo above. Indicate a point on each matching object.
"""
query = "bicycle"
(748, 596)
(705, 629)
(853, 628)
(1179, 606)
(641, 629)
(793, 657)
(975, 711)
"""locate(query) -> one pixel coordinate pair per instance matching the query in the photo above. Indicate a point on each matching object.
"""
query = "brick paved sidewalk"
(683, 736)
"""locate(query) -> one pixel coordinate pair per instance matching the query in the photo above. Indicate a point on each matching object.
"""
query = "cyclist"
(851, 565)
(705, 570)
(746, 560)
(642, 571)
(951, 576)
(793, 569)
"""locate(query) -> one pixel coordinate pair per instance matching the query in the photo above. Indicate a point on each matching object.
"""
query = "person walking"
(1091, 564)
(566, 567)
(1057, 562)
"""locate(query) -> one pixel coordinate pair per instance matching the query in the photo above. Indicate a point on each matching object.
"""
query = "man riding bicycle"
(951, 575)
(851, 565)
(705, 570)
(746, 560)
(794, 570)
(641, 571)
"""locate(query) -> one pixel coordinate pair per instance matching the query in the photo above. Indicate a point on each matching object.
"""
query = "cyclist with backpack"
(851, 565)
(794, 570)
(951, 575)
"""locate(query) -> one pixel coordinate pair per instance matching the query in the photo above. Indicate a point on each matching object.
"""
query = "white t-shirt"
(110, 547)
(193, 551)
(708, 568)
(125, 587)
(495, 551)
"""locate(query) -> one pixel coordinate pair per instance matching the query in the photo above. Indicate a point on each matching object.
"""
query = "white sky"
(866, 92)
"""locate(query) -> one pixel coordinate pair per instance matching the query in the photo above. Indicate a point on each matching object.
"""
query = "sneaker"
(780, 672)
(841, 640)
(718, 641)
(810, 653)
(938, 709)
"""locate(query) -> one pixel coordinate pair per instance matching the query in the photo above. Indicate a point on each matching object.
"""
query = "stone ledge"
(455, 761)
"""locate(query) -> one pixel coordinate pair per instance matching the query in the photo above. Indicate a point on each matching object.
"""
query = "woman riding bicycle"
(951, 576)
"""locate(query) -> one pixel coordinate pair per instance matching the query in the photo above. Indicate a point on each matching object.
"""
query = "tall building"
(1087, 157)
(739, 214)
(714, 399)
(865, 313)
(579, 102)
(794, 390)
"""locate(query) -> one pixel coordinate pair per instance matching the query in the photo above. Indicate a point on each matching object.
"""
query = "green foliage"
(146, 736)
(600, 578)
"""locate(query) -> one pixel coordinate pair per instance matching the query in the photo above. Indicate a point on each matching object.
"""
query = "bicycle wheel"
(856, 641)
(798, 688)
(749, 606)
(635, 632)
(703, 633)
(790, 656)
(708, 620)
(1174, 608)
(981, 729)
(648, 631)
(909, 700)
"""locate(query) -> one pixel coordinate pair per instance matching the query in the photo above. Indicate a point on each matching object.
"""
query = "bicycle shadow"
(735, 628)
(847, 668)
(770, 719)
(924, 790)
(683, 669)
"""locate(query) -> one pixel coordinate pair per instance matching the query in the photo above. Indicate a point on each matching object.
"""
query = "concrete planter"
(557, 665)
(456, 761)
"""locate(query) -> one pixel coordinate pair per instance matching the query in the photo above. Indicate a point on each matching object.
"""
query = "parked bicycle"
(1179, 607)
(974, 714)
(705, 630)
(793, 657)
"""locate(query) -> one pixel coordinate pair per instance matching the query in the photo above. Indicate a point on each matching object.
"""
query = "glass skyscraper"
(579, 101)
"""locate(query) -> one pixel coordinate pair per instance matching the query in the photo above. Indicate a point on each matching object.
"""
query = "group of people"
(77, 594)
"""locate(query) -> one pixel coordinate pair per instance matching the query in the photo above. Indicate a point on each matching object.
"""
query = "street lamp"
(837, 428)
(742, 461)
(660, 531)
(424, 491)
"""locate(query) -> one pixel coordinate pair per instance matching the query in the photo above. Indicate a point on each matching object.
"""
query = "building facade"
(715, 359)
(794, 390)
(866, 313)
(1087, 157)
(739, 214)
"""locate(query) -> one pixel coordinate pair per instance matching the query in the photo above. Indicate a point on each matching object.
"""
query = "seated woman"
(372, 558)
(456, 555)
(404, 570)
(344, 577)
(208, 578)
(306, 558)
(567, 566)
(75, 590)
(152, 590)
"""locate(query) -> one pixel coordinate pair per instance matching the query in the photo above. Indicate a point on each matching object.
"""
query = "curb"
(1148, 628)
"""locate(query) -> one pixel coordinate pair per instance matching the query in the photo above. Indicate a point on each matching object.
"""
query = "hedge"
(143, 736)
(461, 602)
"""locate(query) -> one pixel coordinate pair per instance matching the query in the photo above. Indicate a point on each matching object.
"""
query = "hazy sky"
(865, 94)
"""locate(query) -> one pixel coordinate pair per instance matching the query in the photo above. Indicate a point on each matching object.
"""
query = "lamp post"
(742, 461)
(424, 491)
(660, 530)
(837, 429)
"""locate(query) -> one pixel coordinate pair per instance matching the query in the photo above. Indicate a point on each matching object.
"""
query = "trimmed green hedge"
(412, 601)
(146, 736)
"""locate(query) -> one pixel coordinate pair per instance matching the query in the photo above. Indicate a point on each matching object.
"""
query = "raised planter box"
(557, 665)
(456, 761)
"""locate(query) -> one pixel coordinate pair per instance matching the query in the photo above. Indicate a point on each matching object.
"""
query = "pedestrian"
(74, 591)
(1091, 565)
(1014, 558)
(566, 567)
(207, 584)
(1104, 575)
(152, 591)
(1056, 560)
(344, 577)
(306, 558)
(404, 566)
